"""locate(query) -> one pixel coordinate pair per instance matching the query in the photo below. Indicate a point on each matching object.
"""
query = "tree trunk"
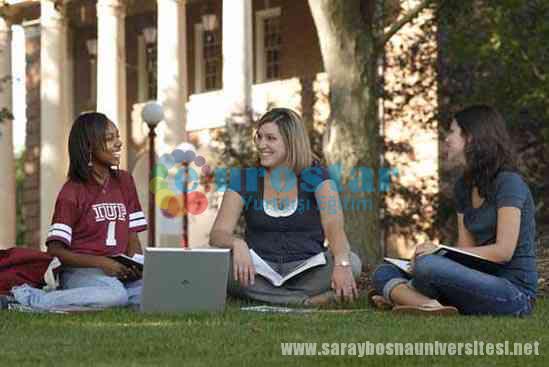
(349, 52)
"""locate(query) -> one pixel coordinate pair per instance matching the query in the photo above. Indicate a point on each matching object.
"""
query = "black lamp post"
(186, 146)
(152, 114)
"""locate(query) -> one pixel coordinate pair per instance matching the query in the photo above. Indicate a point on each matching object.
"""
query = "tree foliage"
(501, 46)
(496, 52)
(490, 51)
(352, 36)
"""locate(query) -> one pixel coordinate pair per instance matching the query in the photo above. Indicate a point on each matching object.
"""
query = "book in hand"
(136, 261)
(458, 255)
(265, 270)
(404, 265)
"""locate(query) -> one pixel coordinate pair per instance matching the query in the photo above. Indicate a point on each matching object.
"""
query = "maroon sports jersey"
(96, 220)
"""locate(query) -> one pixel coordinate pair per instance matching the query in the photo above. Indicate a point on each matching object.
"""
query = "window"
(208, 61)
(272, 48)
(268, 44)
(212, 60)
(147, 61)
(151, 61)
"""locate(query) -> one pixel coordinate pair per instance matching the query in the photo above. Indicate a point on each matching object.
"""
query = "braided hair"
(86, 136)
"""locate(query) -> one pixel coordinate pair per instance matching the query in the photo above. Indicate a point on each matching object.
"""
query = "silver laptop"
(184, 280)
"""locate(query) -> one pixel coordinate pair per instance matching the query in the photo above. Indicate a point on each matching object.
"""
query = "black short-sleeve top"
(281, 236)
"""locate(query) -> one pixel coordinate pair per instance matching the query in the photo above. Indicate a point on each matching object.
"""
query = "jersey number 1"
(111, 234)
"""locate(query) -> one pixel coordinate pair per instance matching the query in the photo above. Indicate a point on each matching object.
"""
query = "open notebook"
(265, 270)
(136, 261)
(458, 255)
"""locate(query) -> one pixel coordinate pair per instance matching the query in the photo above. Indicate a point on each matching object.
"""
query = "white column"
(7, 159)
(53, 106)
(172, 95)
(111, 65)
(237, 57)
(172, 72)
(68, 79)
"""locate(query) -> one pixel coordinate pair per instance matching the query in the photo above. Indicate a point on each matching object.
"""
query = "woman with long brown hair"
(496, 220)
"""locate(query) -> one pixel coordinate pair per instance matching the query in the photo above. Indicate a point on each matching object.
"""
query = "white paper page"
(138, 258)
(317, 260)
(461, 251)
(264, 269)
(404, 265)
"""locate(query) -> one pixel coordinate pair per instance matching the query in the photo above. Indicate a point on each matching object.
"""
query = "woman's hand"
(114, 269)
(343, 283)
(243, 267)
(135, 274)
(425, 248)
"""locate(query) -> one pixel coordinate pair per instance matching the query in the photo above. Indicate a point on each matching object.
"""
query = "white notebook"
(265, 270)
(458, 255)
(404, 265)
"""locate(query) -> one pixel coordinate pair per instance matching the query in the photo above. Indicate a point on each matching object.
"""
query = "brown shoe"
(427, 309)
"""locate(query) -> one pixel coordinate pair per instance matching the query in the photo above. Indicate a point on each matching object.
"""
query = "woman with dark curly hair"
(495, 220)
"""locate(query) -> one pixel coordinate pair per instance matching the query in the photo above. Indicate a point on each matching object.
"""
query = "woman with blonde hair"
(287, 203)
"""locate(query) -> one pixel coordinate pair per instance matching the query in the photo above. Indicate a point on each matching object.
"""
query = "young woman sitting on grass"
(286, 204)
(97, 214)
(495, 220)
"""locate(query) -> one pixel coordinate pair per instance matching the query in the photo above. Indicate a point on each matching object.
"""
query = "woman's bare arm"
(221, 234)
(465, 238)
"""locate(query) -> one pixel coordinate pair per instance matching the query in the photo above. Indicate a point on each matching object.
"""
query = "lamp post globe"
(152, 114)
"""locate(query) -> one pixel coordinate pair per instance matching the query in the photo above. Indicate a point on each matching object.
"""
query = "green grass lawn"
(236, 338)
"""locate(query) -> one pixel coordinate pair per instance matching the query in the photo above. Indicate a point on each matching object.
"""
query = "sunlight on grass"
(122, 337)
(125, 324)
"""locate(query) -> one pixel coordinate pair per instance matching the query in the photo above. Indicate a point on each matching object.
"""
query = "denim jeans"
(82, 287)
(470, 291)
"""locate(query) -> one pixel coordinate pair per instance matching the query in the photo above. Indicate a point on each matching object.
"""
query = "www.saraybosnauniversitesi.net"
(474, 348)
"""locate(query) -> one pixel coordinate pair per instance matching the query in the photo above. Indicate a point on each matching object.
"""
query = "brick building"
(205, 61)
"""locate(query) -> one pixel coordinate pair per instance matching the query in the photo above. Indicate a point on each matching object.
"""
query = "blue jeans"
(82, 287)
(470, 291)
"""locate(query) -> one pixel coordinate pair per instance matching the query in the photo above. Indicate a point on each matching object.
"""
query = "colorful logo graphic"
(177, 196)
